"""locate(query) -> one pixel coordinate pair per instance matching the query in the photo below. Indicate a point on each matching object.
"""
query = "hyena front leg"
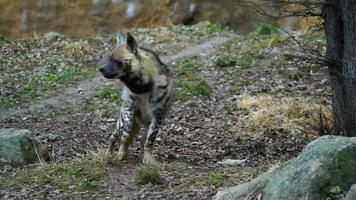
(127, 127)
(150, 138)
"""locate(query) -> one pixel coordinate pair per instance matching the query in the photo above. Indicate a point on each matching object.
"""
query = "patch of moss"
(145, 174)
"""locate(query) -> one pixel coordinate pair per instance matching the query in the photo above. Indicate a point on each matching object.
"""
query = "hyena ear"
(131, 43)
(121, 38)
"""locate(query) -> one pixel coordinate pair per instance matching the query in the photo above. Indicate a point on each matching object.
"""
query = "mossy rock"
(328, 162)
(351, 194)
(20, 146)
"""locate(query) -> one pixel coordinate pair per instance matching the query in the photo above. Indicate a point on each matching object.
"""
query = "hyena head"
(123, 57)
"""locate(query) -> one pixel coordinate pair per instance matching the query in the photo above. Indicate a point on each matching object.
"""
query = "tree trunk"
(340, 29)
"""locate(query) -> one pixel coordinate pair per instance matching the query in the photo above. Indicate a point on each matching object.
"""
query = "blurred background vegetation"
(19, 18)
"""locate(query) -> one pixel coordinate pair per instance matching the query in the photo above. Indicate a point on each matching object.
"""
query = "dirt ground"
(199, 132)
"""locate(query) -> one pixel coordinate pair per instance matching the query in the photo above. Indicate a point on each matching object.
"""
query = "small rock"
(111, 120)
(103, 127)
(51, 36)
(72, 187)
(21, 146)
(231, 162)
(51, 137)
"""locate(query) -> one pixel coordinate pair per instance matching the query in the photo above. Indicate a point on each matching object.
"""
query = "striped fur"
(146, 95)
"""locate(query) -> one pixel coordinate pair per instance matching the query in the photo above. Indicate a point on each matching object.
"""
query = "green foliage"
(51, 79)
(88, 107)
(192, 86)
(296, 75)
(245, 82)
(3, 40)
(145, 174)
(4, 103)
(334, 190)
(245, 61)
(224, 62)
(208, 27)
(266, 29)
(288, 56)
(259, 56)
(216, 178)
(188, 82)
(188, 65)
(109, 93)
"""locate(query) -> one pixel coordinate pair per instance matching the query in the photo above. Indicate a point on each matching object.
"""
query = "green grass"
(266, 29)
(89, 106)
(296, 75)
(3, 40)
(288, 56)
(188, 65)
(245, 82)
(216, 178)
(192, 86)
(224, 62)
(189, 84)
(109, 93)
(145, 174)
(51, 80)
(208, 27)
(245, 61)
(84, 174)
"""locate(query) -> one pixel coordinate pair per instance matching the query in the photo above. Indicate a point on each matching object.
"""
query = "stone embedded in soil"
(20, 146)
(326, 162)
(231, 162)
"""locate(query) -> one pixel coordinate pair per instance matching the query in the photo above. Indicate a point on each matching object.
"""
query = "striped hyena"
(146, 95)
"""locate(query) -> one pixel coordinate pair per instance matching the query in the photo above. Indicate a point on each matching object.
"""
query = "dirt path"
(86, 88)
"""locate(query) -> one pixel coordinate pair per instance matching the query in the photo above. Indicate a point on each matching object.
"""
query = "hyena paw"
(121, 155)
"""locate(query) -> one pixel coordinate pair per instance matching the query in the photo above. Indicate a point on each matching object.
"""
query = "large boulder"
(325, 163)
(20, 146)
(351, 194)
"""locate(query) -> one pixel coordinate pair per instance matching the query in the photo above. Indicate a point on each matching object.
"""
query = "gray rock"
(325, 162)
(52, 36)
(351, 194)
(20, 146)
(231, 162)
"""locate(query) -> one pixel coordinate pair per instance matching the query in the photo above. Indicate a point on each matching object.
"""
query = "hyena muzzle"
(146, 95)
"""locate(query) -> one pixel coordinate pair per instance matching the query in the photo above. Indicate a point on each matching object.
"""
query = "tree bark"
(340, 29)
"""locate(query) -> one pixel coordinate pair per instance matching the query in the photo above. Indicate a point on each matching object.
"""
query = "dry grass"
(76, 49)
(293, 114)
